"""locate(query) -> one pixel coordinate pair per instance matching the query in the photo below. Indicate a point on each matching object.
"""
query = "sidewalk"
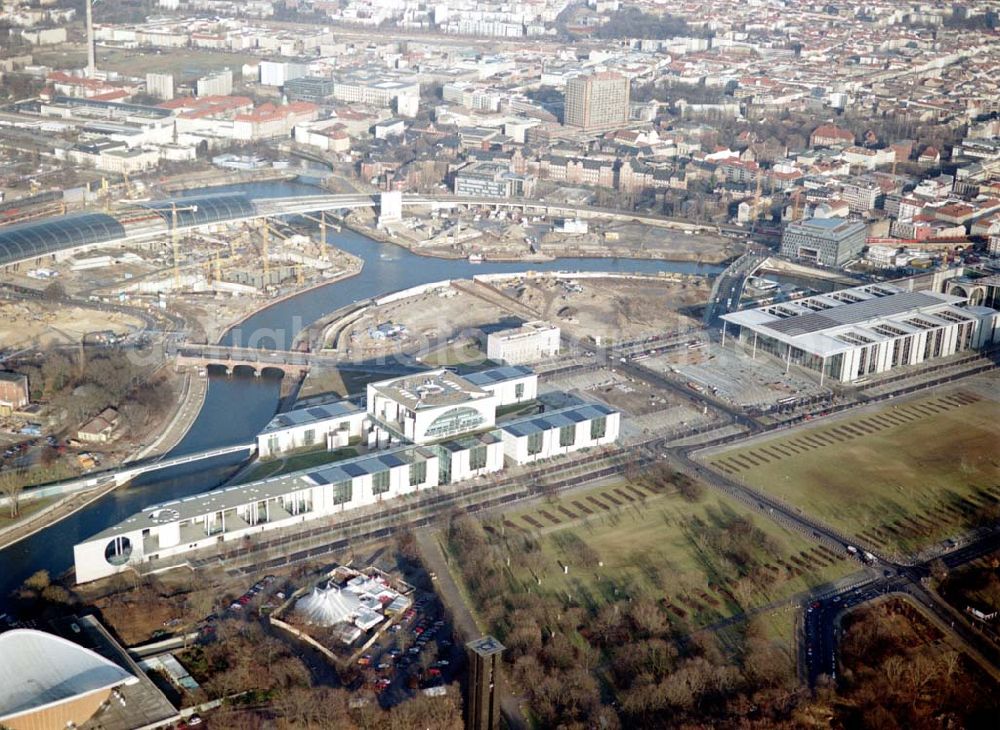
(435, 562)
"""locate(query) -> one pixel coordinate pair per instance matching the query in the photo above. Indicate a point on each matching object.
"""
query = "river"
(236, 408)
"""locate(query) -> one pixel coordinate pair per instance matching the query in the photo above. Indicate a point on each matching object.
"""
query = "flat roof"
(197, 505)
(493, 376)
(557, 419)
(828, 324)
(312, 414)
(430, 389)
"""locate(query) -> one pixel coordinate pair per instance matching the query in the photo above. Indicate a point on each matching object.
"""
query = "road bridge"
(286, 361)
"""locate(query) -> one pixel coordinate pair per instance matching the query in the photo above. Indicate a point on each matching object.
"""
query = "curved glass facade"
(203, 209)
(38, 238)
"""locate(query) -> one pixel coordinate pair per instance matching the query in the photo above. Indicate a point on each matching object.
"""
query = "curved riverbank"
(236, 408)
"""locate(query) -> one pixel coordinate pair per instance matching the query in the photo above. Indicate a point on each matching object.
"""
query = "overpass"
(288, 362)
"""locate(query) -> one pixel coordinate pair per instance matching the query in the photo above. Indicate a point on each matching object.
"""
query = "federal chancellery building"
(414, 433)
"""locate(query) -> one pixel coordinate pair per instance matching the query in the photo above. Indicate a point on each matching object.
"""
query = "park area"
(898, 478)
(701, 558)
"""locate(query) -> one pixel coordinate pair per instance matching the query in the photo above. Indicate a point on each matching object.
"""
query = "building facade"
(531, 342)
(419, 431)
(827, 241)
(13, 392)
(855, 333)
(597, 102)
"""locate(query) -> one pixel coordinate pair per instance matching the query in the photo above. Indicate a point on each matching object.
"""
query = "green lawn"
(457, 354)
(296, 461)
(659, 545)
(898, 478)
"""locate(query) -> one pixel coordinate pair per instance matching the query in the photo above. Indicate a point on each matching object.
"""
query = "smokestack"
(91, 47)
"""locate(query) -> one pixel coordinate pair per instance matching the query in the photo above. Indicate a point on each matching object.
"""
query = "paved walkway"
(433, 557)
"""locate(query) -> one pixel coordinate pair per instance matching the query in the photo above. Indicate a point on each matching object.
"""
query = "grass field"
(898, 478)
(456, 354)
(187, 63)
(296, 462)
(654, 543)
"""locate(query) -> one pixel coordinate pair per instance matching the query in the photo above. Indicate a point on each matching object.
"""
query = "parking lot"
(415, 654)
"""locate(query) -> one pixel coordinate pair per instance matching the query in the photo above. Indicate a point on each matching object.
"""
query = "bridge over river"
(127, 472)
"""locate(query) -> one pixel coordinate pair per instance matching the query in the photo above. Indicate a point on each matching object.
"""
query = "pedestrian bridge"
(125, 473)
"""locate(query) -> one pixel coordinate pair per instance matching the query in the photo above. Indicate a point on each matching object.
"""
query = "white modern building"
(332, 424)
(160, 85)
(866, 330)
(431, 406)
(226, 515)
(560, 432)
(420, 431)
(531, 342)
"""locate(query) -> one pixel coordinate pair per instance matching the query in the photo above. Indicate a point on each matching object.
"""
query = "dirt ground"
(430, 320)
(615, 309)
(42, 324)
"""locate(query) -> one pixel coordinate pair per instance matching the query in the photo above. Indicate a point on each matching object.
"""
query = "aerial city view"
(572, 364)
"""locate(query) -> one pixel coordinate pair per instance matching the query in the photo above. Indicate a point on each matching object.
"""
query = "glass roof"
(37, 238)
(202, 209)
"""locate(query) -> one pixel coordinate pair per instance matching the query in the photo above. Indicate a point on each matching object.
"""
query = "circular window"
(118, 551)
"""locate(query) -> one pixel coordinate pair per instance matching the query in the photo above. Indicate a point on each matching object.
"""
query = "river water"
(236, 408)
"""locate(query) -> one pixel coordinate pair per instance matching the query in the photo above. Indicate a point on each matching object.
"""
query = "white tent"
(328, 607)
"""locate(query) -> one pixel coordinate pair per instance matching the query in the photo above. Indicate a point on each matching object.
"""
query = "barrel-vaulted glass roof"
(37, 238)
(203, 209)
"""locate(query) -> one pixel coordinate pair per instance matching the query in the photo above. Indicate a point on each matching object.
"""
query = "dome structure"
(47, 681)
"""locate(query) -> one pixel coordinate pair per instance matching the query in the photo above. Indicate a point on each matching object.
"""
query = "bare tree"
(11, 485)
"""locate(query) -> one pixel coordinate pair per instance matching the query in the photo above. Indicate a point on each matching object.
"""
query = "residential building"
(827, 241)
(597, 101)
(13, 392)
(217, 84)
(160, 86)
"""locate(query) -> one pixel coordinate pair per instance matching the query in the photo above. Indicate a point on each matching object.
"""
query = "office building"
(417, 432)
(217, 84)
(492, 180)
(868, 330)
(160, 86)
(531, 342)
(309, 88)
(597, 102)
(827, 241)
(483, 709)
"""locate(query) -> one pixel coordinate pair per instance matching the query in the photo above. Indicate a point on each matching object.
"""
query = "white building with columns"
(851, 334)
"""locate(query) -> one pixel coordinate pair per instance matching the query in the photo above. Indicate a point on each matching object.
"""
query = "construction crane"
(175, 238)
(322, 231)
